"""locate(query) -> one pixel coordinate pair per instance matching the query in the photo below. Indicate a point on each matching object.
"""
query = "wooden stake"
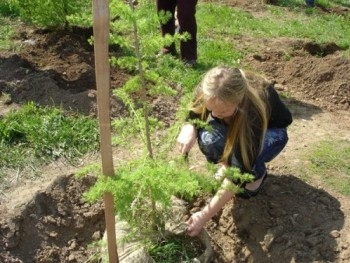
(102, 72)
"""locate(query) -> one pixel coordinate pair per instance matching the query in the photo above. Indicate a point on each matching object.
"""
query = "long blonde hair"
(245, 89)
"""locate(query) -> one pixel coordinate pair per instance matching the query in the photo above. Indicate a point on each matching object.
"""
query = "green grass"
(6, 34)
(175, 250)
(320, 27)
(329, 161)
(298, 4)
(7, 15)
(8, 8)
(34, 135)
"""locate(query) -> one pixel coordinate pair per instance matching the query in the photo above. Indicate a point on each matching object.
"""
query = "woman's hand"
(196, 223)
(187, 138)
(197, 220)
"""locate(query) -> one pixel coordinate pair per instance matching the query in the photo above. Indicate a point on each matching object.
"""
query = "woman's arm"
(187, 138)
(198, 220)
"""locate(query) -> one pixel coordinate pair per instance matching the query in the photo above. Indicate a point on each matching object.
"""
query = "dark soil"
(289, 221)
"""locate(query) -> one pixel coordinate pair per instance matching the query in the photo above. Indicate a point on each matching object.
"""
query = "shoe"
(310, 3)
(246, 194)
(190, 63)
(167, 51)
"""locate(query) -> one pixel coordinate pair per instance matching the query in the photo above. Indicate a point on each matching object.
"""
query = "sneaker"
(190, 63)
(310, 3)
(167, 51)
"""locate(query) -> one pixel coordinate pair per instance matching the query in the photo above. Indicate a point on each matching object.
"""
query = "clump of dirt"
(56, 68)
(56, 225)
(289, 221)
(297, 66)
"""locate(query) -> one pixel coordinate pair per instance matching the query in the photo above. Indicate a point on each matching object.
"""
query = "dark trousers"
(186, 11)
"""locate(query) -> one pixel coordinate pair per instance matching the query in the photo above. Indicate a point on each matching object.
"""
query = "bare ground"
(292, 220)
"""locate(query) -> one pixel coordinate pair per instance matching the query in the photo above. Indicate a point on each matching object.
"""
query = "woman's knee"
(276, 138)
(275, 141)
(212, 141)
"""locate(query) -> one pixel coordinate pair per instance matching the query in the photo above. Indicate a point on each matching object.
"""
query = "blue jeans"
(310, 3)
(212, 144)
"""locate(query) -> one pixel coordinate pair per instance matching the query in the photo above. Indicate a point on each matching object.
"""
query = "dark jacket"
(280, 116)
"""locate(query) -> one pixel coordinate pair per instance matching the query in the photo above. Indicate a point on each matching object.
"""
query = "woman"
(248, 128)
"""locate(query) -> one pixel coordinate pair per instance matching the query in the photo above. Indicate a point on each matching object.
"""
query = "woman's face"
(220, 109)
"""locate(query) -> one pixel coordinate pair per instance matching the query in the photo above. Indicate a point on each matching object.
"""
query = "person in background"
(248, 128)
(310, 3)
(186, 11)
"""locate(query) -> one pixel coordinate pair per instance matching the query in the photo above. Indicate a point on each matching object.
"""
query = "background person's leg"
(169, 26)
(186, 15)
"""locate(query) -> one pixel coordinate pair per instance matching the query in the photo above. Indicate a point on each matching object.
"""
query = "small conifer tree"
(144, 184)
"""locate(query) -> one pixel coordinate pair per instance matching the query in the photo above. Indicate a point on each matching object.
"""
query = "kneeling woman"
(248, 128)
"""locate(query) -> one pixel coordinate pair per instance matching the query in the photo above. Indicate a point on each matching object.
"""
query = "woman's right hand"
(187, 138)
(196, 223)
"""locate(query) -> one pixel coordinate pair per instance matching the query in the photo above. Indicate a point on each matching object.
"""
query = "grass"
(176, 249)
(7, 33)
(8, 9)
(320, 27)
(34, 135)
(329, 161)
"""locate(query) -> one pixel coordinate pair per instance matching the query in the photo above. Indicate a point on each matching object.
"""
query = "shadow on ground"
(289, 221)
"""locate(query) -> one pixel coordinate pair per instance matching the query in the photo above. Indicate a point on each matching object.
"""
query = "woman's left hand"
(187, 138)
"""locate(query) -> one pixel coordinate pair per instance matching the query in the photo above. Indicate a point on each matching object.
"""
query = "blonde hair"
(245, 89)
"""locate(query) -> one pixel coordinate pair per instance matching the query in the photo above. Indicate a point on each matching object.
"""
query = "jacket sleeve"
(280, 116)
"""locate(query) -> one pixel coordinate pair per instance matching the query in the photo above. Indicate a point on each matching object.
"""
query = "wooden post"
(102, 72)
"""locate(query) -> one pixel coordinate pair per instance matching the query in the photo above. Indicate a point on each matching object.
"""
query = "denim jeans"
(212, 144)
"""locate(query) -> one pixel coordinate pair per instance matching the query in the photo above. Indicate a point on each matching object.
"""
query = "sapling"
(144, 183)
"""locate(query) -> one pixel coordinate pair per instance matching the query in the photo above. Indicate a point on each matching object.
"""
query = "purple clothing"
(186, 10)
